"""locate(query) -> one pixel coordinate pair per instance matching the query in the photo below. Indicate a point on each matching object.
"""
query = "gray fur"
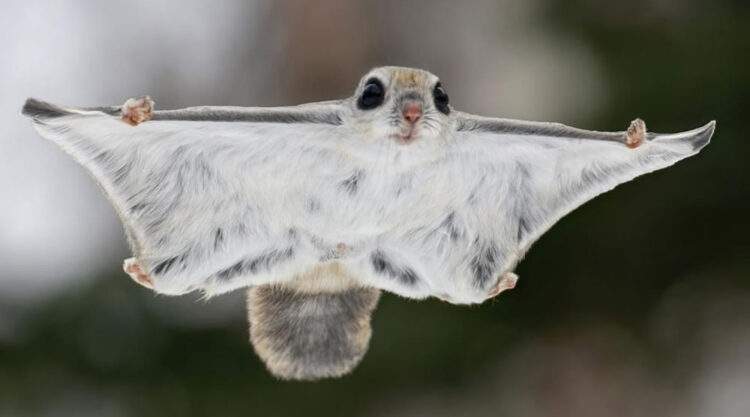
(408, 96)
(166, 265)
(308, 336)
(313, 205)
(519, 127)
(262, 262)
(311, 113)
(218, 238)
(351, 184)
(383, 265)
(38, 109)
(450, 225)
(228, 114)
(520, 190)
(484, 263)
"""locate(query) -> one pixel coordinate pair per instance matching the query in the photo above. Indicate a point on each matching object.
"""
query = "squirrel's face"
(403, 105)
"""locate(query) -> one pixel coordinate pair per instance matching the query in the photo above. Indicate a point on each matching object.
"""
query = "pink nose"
(412, 112)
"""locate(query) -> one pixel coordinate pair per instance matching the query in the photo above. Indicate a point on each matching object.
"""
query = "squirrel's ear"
(309, 336)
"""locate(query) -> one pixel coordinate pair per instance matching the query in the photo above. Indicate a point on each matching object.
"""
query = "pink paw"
(135, 271)
(506, 282)
(137, 110)
(636, 134)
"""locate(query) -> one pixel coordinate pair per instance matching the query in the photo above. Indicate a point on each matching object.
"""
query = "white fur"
(270, 186)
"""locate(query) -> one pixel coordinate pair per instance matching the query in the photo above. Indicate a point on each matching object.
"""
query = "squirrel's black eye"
(441, 99)
(372, 95)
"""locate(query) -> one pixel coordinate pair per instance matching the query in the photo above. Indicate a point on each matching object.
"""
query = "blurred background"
(636, 304)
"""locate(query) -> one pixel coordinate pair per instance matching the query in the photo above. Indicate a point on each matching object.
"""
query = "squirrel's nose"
(412, 112)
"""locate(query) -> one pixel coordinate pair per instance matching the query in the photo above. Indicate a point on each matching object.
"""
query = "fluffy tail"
(309, 336)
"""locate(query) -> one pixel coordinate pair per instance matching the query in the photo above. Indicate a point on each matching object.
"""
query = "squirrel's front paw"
(137, 110)
(636, 134)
